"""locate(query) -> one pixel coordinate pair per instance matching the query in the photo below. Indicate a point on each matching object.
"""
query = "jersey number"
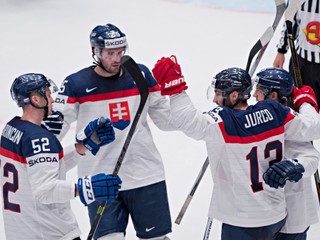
(10, 187)
(39, 145)
(256, 185)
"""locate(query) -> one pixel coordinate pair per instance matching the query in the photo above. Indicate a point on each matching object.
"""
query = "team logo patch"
(312, 32)
(120, 114)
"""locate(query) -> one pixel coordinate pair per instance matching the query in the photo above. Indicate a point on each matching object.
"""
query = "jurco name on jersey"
(259, 117)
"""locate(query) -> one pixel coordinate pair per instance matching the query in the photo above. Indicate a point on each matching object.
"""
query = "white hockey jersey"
(302, 203)
(85, 95)
(36, 197)
(241, 144)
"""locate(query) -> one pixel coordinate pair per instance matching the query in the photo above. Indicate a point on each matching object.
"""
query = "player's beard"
(112, 68)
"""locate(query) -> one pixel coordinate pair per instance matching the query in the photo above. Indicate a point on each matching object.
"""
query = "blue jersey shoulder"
(87, 82)
(256, 119)
(27, 139)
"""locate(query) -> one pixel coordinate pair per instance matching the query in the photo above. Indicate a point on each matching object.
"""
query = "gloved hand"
(100, 187)
(278, 173)
(302, 95)
(54, 122)
(168, 73)
(97, 133)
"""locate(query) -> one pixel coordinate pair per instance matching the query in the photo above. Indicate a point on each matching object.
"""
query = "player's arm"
(44, 155)
(305, 125)
(158, 105)
(185, 116)
(47, 177)
(306, 153)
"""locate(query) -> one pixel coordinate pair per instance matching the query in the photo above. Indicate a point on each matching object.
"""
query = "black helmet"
(233, 79)
(25, 84)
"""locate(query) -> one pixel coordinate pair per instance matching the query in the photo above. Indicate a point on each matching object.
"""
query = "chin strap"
(98, 63)
(46, 108)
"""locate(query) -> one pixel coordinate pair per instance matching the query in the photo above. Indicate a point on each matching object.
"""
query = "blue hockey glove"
(100, 187)
(54, 122)
(97, 133)
(277, 174)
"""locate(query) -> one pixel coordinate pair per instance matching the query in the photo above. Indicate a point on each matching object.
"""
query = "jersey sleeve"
(303, 126)
(192, 122)
(305, 153)
(159, 106)
(66, 102)
(47, 180)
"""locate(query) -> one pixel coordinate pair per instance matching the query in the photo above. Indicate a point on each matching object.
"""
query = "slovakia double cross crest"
(120, 114)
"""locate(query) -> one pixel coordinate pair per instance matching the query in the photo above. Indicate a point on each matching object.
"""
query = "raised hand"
(100, 187)
(168, 73)
(278, 173)
(302, 95)
(97, 133)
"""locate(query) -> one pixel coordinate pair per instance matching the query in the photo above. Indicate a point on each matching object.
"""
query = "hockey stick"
(208, 229)
(193, 190)
(294, 6)
(280, 9)
(130, 65)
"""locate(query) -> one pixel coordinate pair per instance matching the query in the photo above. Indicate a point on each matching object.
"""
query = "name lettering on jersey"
(257, 118)
(120, 114)
(39, 160)
(12, 134)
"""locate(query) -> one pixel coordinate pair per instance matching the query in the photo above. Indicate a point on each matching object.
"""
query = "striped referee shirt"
(306, 30)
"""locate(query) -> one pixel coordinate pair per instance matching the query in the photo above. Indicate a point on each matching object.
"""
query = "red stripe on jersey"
(258, 137)
(61, 154)
(12, 155)
(111, 95)
(155, 88)
(289, 117)
(250, 139)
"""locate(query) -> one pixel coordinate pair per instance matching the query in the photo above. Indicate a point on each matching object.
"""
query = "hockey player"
(302, 205)
(108, 89)
(36, 195)
(241, 142)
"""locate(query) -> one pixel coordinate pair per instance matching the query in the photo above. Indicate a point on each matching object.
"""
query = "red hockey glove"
(167, 72)
(302, 95)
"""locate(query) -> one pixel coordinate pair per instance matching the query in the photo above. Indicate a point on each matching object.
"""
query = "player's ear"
(234, 96)
(273, 95)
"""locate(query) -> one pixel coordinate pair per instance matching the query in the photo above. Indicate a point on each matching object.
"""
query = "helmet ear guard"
(97, 52)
